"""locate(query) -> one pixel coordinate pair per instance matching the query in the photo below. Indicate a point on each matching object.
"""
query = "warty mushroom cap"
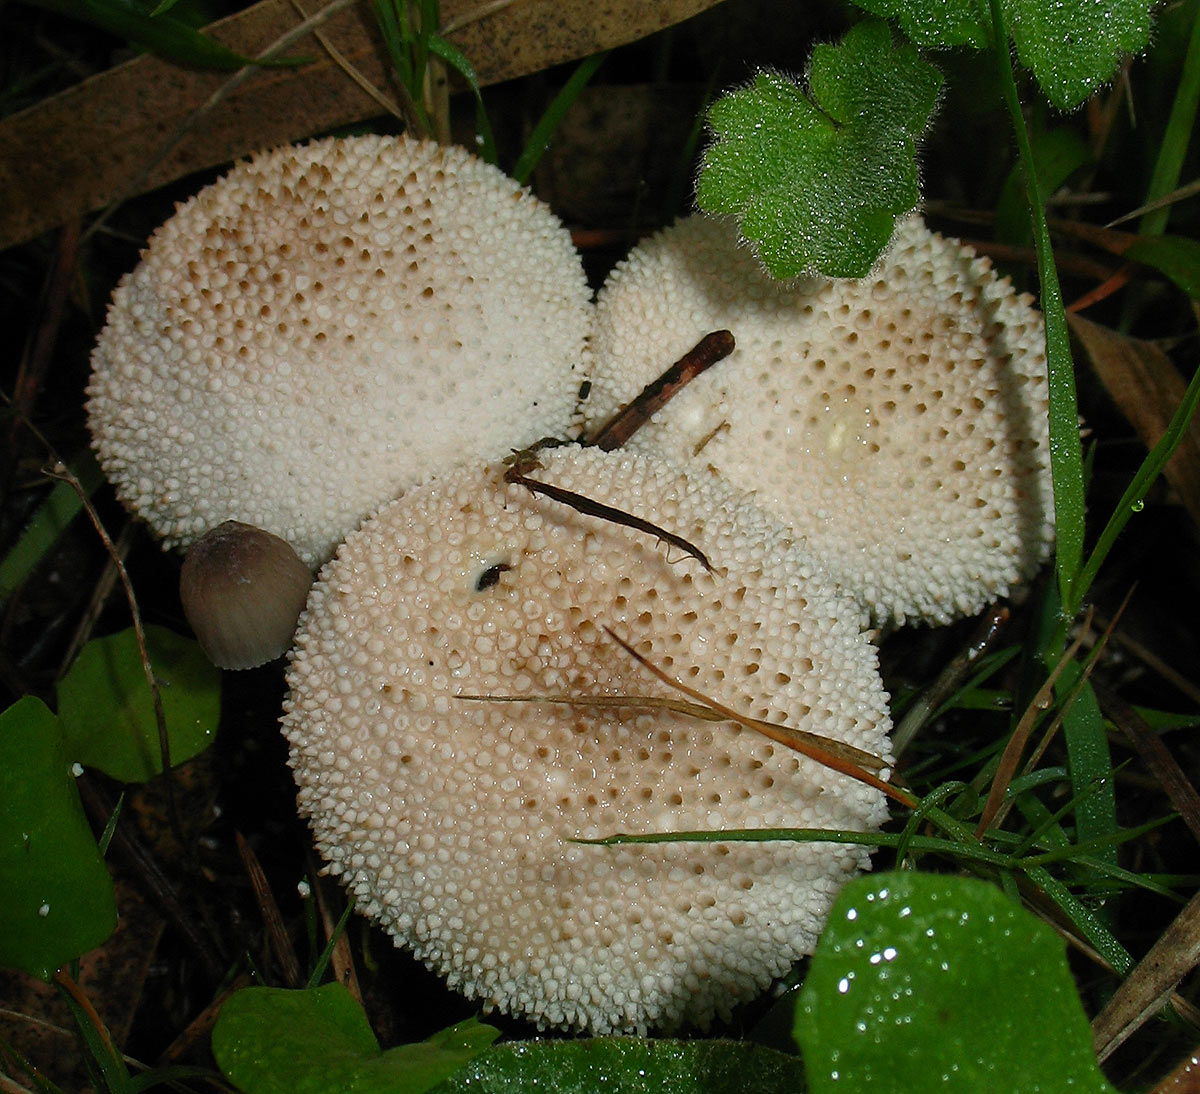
(318, 329)
(451, 818)
(897, 422)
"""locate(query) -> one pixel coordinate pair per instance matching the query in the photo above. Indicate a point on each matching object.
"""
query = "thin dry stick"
(62, 472)
(1155, 663)
(476, 14)
(814, 747)
(1149, 986)
(1157, 757)
(204, 109)
(1035, 757)
(985, 636)
(285, 953)
(590, 508)
(348, 67)
(199, 1029)
(99, 598)
(85, 1004)
(341, 959)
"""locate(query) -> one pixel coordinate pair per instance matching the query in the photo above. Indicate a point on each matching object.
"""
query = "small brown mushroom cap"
(242, 591)
(323, 326)
(897, 422)
(452, 819)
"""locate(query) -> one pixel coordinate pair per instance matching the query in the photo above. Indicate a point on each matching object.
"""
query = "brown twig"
(630, 418)
(1149, 986)
(585, 505)
(1156, 756)
(285, 953)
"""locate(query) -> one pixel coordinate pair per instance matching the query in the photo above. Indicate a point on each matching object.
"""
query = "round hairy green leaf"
(315, 1041)
(108, 713)
(629, 1065)
(922, 982)
(818, 176)
(56, 898)
(1072, 47)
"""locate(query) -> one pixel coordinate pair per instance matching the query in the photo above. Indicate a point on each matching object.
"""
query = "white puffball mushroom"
(451, 819)
(897, 422)
(325, 325)
(242, 590)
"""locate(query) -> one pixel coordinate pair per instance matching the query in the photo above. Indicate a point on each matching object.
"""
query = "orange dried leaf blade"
(823, 750)
(694, 710)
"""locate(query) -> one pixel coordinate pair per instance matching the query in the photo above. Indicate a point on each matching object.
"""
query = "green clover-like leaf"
(628, 1065)
(924, 981)
(818, 177)
(275, 1041)
(1072, 47)
(56, 898)
(108, 713)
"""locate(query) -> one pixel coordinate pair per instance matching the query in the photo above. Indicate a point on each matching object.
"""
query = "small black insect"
(490, 576)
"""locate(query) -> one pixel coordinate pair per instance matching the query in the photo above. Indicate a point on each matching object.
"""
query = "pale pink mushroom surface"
(451, 818)
(898, 422)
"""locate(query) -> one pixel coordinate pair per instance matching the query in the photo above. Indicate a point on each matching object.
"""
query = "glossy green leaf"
(1072, 47)
(923, 981)
(819, 176)
(108, 714)
(1058, 154)
(49, 522)
(1176, 257)
(56, 898)
(317, 1040)
(627, 1065)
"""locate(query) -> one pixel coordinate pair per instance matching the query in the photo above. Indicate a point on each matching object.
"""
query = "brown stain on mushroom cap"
(319, 329)
(898, 422)
(451, 819)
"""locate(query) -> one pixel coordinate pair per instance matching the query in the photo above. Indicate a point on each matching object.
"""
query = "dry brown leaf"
(1147, 389)
(91, 145)
(1148, 988)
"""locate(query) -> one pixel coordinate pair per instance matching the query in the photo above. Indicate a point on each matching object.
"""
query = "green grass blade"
(1180, 126)
(1085, 920)
(1089, 763)
(539, 139)
(933, 844)
(1066, 452)
(326, 954)
(457, 60)
(48, 523)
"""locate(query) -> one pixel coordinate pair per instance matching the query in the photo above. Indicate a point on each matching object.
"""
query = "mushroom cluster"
(898, 422)
(458, 716)
(323, 327)
(336, 342)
